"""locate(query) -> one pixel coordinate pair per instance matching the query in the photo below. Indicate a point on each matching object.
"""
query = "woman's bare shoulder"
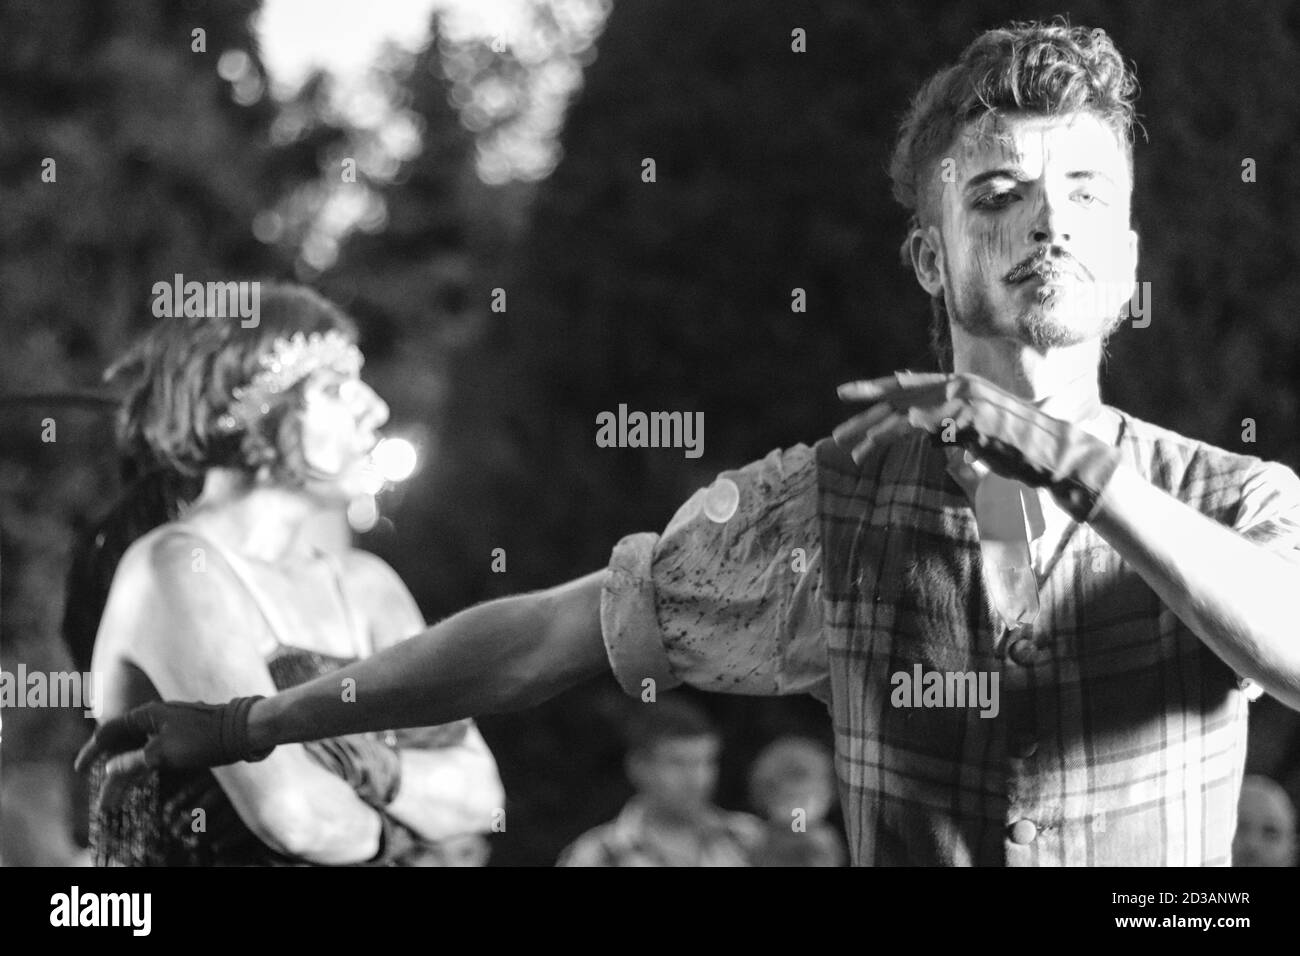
(179, 615)
(366, 567)
(389, 607)
(172, 571)
(168, 555)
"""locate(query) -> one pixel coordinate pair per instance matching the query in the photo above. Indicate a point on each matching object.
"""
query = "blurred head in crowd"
(281, 403)
(1266, 825)
(672, 756)
(792, 774)
(1016, 164)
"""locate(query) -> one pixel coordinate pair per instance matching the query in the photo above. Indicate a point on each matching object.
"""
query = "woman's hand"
(451, 790)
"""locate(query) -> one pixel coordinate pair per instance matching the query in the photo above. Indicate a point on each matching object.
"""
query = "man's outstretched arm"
(670, 609)
(503, 655)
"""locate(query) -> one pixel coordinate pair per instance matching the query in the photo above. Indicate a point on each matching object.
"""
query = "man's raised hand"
(1012, 436)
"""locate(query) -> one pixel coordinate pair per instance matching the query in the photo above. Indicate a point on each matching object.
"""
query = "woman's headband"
(287, 363)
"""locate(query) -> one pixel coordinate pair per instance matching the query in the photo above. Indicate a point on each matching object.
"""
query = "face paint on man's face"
(1035, 234)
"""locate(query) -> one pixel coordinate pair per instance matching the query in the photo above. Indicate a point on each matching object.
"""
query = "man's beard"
(1042, 325)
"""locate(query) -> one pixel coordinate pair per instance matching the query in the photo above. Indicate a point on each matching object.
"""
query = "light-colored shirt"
(720, 838)
(1119, 737)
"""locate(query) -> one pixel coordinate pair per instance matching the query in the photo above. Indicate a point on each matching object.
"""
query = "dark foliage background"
(667, 295)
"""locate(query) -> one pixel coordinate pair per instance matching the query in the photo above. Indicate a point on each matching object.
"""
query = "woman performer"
(233, 595)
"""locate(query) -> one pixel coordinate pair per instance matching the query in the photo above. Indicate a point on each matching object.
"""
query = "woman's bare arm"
(447, 789)
(181, 617)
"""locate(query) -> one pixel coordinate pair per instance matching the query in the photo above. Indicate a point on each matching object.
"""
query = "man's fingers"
(893, 427)
(869, 390)
(906, 400)
(848, 434)
(120, 773)
(874, 389)
(118, 734)
(131, 731)
(922, 390)
(938, 417)
(88, 754)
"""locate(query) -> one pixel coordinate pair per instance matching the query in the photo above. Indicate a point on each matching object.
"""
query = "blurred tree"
(161, 159)
(420, 290)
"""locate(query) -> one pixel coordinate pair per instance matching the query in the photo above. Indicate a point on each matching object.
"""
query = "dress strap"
(240, 568)
(361, 639)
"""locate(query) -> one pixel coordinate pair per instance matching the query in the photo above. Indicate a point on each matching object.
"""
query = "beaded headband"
(289, 362)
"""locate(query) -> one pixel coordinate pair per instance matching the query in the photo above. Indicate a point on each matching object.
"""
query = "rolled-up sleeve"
(1269, 513)
(728, 597)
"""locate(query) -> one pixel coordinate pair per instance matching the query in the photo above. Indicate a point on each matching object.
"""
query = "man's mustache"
(1043, 263)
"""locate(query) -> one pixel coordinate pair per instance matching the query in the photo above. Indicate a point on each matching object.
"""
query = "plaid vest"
(1119, 737)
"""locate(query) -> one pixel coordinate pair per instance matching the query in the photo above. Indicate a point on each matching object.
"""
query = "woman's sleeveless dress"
(183, 818)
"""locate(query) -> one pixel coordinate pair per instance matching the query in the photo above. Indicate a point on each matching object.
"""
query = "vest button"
(1023, 832)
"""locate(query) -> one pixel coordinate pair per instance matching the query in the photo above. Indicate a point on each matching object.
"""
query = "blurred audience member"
(1266, 825)
(672, 761)
(792, 784)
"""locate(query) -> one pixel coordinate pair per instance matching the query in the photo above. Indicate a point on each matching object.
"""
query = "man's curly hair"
(1044, 68)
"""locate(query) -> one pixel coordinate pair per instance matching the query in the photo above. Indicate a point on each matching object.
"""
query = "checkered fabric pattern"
(1119, 739)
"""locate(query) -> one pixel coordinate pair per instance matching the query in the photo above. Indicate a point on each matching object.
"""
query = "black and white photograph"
(651, 433)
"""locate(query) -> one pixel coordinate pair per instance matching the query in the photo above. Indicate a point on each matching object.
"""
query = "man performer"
(1128, 587)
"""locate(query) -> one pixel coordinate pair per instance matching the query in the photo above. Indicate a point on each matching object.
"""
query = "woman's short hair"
(180, 378)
